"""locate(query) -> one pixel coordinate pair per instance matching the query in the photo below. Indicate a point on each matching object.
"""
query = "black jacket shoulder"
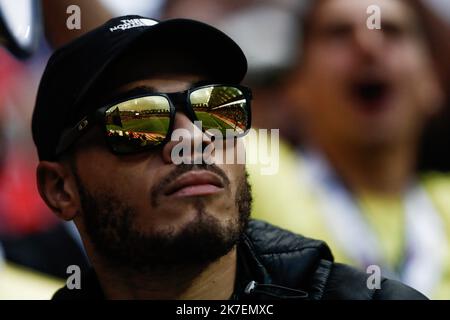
(294, 261)
(349, 283)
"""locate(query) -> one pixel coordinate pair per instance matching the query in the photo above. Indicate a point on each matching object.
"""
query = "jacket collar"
(277, 264)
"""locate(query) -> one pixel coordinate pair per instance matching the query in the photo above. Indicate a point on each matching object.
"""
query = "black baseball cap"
(75, 68)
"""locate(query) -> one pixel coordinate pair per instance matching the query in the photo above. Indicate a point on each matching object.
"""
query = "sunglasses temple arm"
(72, 134)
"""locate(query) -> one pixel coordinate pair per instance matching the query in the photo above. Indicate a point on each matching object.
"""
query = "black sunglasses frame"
(174, 99)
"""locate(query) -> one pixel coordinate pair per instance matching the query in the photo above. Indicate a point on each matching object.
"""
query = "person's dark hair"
(435, 147)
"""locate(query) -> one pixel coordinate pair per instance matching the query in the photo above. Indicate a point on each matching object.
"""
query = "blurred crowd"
(364, 120)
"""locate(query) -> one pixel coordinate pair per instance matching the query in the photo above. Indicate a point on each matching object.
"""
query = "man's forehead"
(156, 84)
(163, 83)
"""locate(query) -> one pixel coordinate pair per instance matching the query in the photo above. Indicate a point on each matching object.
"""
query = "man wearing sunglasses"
(107, 107)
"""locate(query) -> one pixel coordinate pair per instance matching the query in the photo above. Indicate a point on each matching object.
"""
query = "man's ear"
(58, 189)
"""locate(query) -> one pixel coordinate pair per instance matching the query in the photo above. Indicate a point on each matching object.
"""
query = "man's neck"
(384, 171)
(214, 282)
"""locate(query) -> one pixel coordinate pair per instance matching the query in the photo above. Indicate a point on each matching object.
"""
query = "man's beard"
(111, 226)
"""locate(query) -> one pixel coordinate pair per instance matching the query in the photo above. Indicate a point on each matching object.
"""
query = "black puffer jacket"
(277, 264)
(288, 260)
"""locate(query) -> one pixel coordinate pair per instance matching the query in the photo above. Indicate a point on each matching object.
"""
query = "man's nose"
(187, 133)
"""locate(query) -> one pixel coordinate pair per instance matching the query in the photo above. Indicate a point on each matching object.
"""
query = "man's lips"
(195, 183)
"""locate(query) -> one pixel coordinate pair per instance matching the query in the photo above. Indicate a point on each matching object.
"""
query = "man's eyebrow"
(140, 90)
(202, 83)
(145, 89)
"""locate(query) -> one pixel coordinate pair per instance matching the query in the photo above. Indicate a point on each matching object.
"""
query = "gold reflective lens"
(220, 108)
(137, 123)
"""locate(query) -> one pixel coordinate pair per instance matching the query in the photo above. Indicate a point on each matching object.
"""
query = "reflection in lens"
(221, 107)
(137, 123)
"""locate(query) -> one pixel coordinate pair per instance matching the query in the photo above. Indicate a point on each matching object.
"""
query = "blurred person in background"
(362, 99)
(31, 239)
(20, 207)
